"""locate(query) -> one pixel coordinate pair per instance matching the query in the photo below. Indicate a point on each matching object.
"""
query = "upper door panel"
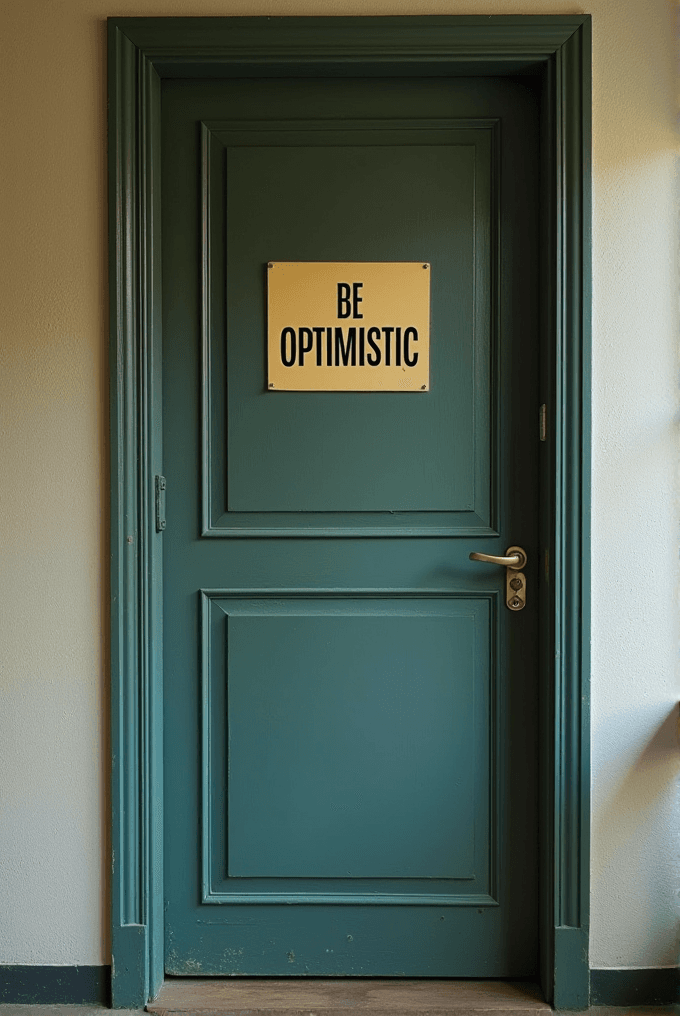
(403, 463)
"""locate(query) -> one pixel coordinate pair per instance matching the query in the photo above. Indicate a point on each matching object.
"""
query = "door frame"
(142, 51)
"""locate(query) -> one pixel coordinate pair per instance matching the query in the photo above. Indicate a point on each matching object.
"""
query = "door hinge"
(160, 504)
(543, 422)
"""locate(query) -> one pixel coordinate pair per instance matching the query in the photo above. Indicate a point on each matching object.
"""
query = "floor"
(87, 1010)
(229, 997)
(338, 997)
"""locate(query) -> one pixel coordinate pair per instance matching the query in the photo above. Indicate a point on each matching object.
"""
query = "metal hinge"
(543, 422)
(160, 504)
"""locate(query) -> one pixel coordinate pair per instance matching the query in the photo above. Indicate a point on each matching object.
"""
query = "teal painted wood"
(488, 917)
(572, 525)
(136, 571)
(186, 47)
(331, 611)
(477, 507)
(199, 47)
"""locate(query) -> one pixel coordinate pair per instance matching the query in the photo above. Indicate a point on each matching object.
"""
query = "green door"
(350, 706)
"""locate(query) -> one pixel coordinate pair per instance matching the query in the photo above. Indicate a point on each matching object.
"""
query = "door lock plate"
(515, 589)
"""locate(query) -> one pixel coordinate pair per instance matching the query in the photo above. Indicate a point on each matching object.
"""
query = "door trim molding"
(142, 51)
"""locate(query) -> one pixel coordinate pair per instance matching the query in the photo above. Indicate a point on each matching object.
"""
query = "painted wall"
(53, 469)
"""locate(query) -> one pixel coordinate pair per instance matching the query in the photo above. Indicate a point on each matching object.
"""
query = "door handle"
(515, 581)
(516, 558)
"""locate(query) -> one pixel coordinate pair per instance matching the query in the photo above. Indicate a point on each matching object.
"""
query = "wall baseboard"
(29, 985)
(639, 986)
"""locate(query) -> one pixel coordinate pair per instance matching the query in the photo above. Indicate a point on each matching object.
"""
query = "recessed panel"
(390, 451)
(352, 741)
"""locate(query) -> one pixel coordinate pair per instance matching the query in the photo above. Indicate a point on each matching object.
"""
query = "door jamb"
(142, 51)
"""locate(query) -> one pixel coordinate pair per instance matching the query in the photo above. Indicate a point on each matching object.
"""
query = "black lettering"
(373, 335)
(329, 347)
(305, 343)
(410, 334)
(356, 299)
(362, 346)
(319, 348)
(397, 347)
(388, 334)
(288, 333)
(344, 306)
(343, 350)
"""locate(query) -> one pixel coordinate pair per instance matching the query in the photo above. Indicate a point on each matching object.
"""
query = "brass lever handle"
(515, 558)
(515, 581)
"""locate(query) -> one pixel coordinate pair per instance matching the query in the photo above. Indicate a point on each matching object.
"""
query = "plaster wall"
(54, 488)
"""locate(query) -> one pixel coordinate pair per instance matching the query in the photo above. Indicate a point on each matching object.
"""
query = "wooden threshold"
(338, 997)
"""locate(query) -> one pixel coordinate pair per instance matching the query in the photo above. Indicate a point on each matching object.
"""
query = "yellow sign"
(349, 326)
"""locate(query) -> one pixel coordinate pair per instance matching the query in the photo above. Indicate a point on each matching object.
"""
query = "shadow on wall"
(642, 878)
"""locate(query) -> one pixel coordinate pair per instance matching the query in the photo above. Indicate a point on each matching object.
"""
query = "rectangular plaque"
(341, 326)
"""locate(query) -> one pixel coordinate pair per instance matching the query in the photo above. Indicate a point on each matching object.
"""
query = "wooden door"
(350, 707)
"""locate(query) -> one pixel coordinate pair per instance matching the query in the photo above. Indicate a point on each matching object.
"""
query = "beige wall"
(53, 469)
